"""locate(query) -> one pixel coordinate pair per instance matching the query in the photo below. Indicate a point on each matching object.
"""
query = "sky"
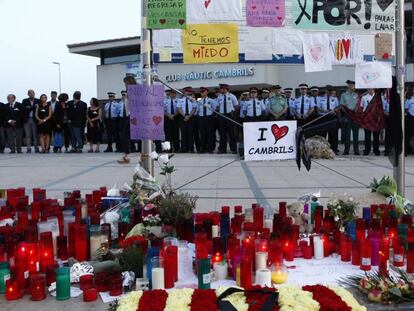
(35, 33)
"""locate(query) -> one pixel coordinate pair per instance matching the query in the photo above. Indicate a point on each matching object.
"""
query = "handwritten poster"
(383, 46)
(287, 42)
(316, 52)
(370, 15)
(203, 11)
(215, 43)
(265, 13)
(373, 75)
(147, 111)
(346, 49)
(164, 14)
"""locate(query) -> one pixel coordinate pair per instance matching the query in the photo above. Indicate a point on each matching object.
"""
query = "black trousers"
(333, 139)
(2, 138)
(368, 141)
(409, 132)
(111, 126)
(207, 134)
(172, 132)
(14, 138)
(196, 133)
(351, 126)
(387, 134)
(187, 135)
(125, 135)
(227, 134)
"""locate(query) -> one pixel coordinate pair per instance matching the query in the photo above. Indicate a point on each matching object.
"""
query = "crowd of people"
(194, 121)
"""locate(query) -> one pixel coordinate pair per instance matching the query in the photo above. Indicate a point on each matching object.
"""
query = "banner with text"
(165, 14)
(269, 140)
(372, 15)
(147, 112)
(265, 13)
(215, 43)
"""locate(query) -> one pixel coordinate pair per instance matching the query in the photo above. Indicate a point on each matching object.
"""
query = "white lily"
(164, 159)
(154, 155)
(166, 146)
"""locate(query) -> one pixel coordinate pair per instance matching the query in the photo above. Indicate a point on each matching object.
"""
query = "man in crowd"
(349, 99)
(303, 106)
(227, 104)
(206, 107)
(386, 108)
(290, 102)
(30, 127)
(328, 104)
(187, 110)
(315, 98)
(254, 110)
(53, 100)
(243, 100)
(278, 106)
(111, 120)
(2, 128)
(365, 101)
(172, 120)
(265, 98)
(77, 117)
(14, 116)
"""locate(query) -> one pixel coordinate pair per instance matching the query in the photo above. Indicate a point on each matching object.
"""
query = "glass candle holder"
(101, 282)
(33, 257)
(157, 273)
(410, 257)
(80, 242)
(62, 283)
(51, 274)
(13, 291)
(246, 273)
(22, 268)
(279, 274)
(204, 273)
(46, 250)
(4, 275)
(90, 294)
(366, 255)
(170, 266)
(62, 247)
(86, 281)
(37, 287)
(258, 217)
(95, 241)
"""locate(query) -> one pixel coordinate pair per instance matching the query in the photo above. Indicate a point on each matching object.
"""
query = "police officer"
(290, 102)
(254, 109)
(365, 101)
(111, 121)
(226, 104)
(124, 127)
(278, 106)
(187, 109)
(206, 107)
(172, 120)
(315, 98)
(329, 103)
(349, 99)
(244, 98)
(265, 98)
(303, 106)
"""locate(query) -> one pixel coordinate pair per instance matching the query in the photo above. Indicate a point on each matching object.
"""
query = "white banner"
(370, 75)
(204, 11)
(269, 140)
(316, 52)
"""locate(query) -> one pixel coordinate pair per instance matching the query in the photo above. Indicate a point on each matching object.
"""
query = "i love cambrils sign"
(269, 140)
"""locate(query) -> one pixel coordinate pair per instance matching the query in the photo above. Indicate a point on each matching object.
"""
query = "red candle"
(86, 281)
(246, 273)
(115, 284)
(258, 214)
(169, 267)
(217, 258)
(37, 287)
(71, 239)
(90, 294)
(81, 251)
(102, 282)
(22, 265)
(13, 291)
(288, 251)
(307, 252)
(346, 245)
(51, 274)
(33, 257)
(225, 210)
(282, 209)
(46, 250)
(399, 253)
(62, 247)
(318, 222)
(366, 255)
(384, 256)
(410, 257)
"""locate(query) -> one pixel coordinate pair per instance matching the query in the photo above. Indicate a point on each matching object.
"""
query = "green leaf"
(395, 291)
(387, 190)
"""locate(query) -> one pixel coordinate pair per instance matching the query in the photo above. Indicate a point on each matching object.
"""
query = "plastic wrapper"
(309, 196)
(128, 280)
(79, 269)
(114, 191)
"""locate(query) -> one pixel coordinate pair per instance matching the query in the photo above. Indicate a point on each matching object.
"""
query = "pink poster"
(265, 13)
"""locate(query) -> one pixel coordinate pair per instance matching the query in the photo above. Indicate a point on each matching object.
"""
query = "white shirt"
(192, 105)
(231, 102)
(114, 109)
(323, 103)
(167, 105)
(209, 105)
(53, 105)
(254, 104)
(307, 105)
(242, 107)
(365, 100)
(316, 101)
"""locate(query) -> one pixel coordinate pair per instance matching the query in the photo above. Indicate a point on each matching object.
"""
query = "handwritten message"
(215, 43)
(265, 13)
(147, 112)
(165, 14)
(383, 46)
(371, 15)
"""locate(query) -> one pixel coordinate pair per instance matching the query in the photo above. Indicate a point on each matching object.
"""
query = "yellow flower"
(130, 301)
(293, 298)
(348, 298)
(179, 299)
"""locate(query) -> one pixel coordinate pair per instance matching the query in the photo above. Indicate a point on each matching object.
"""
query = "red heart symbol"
(277, 8)
(156, 119)
(134, 121)
(181, 21)
(279, 132)
(253, 7)
(386, 56)
(346, 44)
(207, 3)
(162, 21)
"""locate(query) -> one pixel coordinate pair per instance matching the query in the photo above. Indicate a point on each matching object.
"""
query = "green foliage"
(343, 211)
(132, 259)
(177, 208)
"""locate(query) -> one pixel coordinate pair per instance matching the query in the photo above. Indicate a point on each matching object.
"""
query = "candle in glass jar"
(62, 283)
(258, 214)
(37, 287)
(204, 273)
(22, 267)
(346, 245)
(246, 273)
(33, 257)
(217, 258)
(80, 242)
(62, 245)
(157, 273)
(318, 247)
(221, 270)
(95, 240)
(261, 260)
(86, 281)
(45, 251)
(4, 275)
(279, 274)
(90, 294)
(366, 255)
(399, 253)
(214, 231)
(263, 278)
(384, 256)
(13, 291)
(410, 257)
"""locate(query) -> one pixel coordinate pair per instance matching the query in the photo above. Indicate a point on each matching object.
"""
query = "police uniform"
(303, 107)
(242, 103)
(124, 124)
(111, 121)
(172, 121)
(206, 107)
(327, 104)
(254, 109)
(266, 102)
(277, 105)
(350, 100)
(226, 104)
(187, 109)
(365, 101)
(290, 102)
(315, 98)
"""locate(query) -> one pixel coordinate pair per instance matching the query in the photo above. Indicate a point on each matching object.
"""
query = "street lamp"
(60, 77)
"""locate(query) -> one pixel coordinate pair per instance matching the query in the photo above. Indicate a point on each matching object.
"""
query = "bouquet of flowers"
(152, 220)
(343, 210)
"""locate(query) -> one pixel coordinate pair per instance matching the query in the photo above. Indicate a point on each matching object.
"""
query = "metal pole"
(400, 49)
(60, 77)
(147, 162)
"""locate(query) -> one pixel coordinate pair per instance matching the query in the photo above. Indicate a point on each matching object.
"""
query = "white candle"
(264, 278)
(317, 248)
(95, 244)
(84, 211)
(157, 278)
(261, 260)
(220, 270)
(144, 272)
(214, 231)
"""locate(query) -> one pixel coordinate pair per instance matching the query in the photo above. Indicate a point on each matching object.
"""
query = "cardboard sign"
(165, 14)
(316, 52)
(216, 43)
(203, 11)
(265, 13)
(383, 46)
(269, 140)
(147, 111)
(369, 75)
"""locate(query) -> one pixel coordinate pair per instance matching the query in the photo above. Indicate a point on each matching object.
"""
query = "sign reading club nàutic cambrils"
(269, 140)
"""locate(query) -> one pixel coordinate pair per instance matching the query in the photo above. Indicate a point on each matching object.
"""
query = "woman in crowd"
(409, 120)
(93, 118)
(44, 123)
(62, 124)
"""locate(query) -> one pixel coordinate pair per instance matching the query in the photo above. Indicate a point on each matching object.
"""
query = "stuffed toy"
(296, 211)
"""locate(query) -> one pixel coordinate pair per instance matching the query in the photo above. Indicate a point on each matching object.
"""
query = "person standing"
(315, 98)
(290, 102)
(44, 123)
(125, 120)
(14, 116)
(30, 128)
(93, 119)
(61, 121)
(303, 106)
(111, 108)
(53, 101)
(278, 105)
(265, 99)
(386, 108)
(77, 116)
(243, 100)
(365, 101)
(409, 120)
(172, 120)
(227, 104)
(2, 128)
(254, 109)
(187, 110)
(349, 99)
(330, 104)
(206, 107)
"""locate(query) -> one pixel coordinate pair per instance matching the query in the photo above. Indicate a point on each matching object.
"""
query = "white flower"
(154, 155)
(164, 159)
(342, 229)
(166, 146)
(336, 218)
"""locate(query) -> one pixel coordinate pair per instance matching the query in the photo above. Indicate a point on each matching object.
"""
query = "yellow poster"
(212, 43)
